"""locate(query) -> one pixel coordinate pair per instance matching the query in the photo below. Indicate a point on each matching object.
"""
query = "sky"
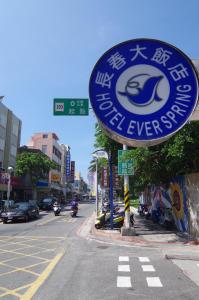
(48, 49)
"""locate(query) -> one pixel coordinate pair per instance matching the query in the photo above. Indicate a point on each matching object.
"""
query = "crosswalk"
(124, 280)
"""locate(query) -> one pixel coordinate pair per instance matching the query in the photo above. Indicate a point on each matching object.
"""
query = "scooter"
(57, 209)
(74, 211)
(143, 210)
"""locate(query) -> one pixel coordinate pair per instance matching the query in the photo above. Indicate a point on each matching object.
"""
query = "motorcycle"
(103, 218)
(74, 211)
(143, 210)
(57, 209)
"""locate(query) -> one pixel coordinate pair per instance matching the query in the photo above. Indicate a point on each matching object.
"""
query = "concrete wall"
(192, 191)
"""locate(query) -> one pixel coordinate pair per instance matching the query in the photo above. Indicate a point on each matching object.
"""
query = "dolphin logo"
(142, 96)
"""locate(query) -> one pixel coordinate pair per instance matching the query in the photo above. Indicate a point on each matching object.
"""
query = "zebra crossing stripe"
(144, 259)
(123, 258)
(154, 282)
(148, 268)
(124, 281)
(123, 268)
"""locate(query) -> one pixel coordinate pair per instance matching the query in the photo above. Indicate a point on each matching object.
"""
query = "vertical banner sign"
(104, 177)
(116, 179)
(72, 171)
(68, 164)
(143, 91)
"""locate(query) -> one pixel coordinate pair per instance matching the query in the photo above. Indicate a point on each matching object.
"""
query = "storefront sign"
(72, 171)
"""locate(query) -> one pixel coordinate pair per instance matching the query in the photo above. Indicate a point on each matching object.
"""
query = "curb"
(116, 235)
(181, 257)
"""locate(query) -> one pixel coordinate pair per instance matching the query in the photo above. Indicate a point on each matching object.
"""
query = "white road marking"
(123, 258)
(123, 268)
(124, 281)
(154, 282)
(148, 268)
(144, 259)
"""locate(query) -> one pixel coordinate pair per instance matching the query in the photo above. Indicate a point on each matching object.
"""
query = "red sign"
(116, 178)
(105, 181)
(72, 170)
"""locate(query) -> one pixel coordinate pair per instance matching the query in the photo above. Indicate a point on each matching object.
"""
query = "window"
(15, 129)
(56, 152)
(2, 144)
(3, 120)
(44, 149)
(45, 136)
(13, 150)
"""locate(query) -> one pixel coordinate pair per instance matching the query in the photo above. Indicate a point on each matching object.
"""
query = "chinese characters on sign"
(116, 178)
(143, 91)
(72, 171)
(71, 107)
(105, 181)
(125, 167)
(105, 178)
(68, 165)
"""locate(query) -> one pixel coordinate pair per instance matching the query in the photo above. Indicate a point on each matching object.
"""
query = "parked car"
(47, 203)
(20, 211)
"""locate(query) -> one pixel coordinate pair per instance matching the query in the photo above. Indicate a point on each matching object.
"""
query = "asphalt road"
(49, 259)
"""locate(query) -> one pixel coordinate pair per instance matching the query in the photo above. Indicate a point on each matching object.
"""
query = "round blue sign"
(143, 91)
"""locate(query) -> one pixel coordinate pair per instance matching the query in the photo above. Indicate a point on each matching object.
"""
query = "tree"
(103, 141)
(36, 164)
(177, 156)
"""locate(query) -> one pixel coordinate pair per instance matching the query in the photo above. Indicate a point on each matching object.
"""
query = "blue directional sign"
(143, 91)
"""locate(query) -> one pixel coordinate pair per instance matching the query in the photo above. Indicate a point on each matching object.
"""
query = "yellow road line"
(44, 275)
(8, 292)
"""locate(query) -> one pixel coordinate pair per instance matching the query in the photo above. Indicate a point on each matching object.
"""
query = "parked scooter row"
(104, 217)
(162, 216)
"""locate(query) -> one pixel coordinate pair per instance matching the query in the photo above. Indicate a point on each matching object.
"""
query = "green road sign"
(70, 107)
(125, 167)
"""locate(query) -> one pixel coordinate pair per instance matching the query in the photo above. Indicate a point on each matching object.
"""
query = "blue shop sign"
(143, 91)
(68, 164)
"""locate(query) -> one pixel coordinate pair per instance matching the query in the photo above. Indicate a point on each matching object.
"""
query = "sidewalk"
(175, 245)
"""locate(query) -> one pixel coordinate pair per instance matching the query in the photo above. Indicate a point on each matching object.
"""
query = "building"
(10, 134)
(79, 186)
(47, 142)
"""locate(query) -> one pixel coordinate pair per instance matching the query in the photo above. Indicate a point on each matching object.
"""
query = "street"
(55, 258)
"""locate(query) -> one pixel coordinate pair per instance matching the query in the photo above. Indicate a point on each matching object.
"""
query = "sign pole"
(110, 188)
(126, 198)
(96, 188)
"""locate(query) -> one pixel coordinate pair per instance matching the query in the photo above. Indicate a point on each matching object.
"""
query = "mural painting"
(169, 204)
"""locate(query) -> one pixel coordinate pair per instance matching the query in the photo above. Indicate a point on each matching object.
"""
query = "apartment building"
(10, 135)
(47, 142)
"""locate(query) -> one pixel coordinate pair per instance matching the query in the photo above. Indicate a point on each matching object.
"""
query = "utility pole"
(126, 198)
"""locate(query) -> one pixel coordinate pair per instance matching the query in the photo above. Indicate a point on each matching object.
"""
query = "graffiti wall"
(171, 201)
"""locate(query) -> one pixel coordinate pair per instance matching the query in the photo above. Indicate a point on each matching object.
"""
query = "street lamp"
(10, 170)
(101, 153)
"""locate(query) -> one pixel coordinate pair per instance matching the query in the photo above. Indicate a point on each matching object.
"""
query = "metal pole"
(96, 188)
(8, 191)
(126, 198)
(111, 188)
